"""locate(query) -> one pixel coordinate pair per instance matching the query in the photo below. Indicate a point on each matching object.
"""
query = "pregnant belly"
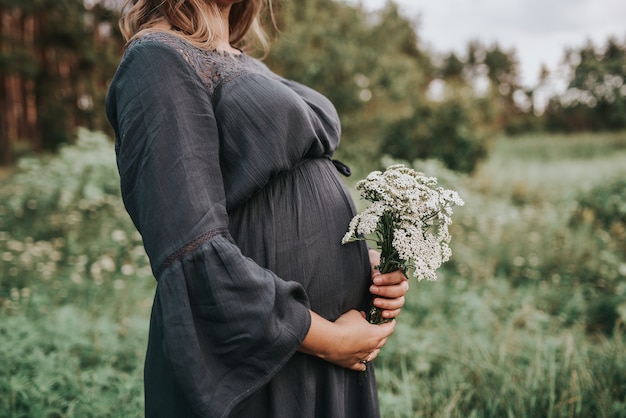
(294, 227)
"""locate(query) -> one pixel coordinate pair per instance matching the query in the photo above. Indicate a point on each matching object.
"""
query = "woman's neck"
(222, 30)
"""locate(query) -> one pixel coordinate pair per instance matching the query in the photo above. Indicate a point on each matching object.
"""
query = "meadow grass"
(526, 320)
(536, 169)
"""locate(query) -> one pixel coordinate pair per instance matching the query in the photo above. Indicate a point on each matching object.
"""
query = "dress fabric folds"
(226, 172)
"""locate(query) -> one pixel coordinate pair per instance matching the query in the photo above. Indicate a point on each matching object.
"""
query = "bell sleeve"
(229, 325)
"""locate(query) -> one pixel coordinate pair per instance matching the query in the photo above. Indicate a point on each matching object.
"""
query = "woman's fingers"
(393, 290)
(391, 308)
(361, 365)
(391, 313)
(390, 288)
(388, 279)
(360, 339)
(389, 304)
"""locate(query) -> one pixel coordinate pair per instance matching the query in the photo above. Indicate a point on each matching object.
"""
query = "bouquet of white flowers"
(409, 217)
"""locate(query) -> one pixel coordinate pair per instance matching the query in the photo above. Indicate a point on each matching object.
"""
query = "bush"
(443, 132)
(605, 207)
(74, 316)
(70, 365)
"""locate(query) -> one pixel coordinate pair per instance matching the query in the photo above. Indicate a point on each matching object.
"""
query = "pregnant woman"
(226, 172)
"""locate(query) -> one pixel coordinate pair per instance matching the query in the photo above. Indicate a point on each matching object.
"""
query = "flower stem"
(389, 260)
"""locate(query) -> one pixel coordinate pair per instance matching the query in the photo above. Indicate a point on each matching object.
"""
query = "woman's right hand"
(350, 342)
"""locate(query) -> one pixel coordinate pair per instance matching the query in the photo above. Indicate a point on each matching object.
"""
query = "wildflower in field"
(409, 217)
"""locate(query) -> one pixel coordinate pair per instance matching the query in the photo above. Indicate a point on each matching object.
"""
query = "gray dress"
(226, 172)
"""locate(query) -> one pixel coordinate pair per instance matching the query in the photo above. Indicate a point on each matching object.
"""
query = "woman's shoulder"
(150, 48)
(212, 66)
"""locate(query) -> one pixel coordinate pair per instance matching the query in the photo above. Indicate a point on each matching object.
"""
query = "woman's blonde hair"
(193, 20)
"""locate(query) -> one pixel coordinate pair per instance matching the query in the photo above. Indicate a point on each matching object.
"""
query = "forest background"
(527, 319)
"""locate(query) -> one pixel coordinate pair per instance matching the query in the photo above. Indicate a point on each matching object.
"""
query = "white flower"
(364, 223)
(412, 209)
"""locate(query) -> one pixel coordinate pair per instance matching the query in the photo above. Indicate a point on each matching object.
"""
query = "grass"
(75, 289)
(553, 169)
(491, 351)
(527, 320)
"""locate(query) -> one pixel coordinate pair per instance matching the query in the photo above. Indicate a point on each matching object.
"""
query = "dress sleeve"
(228, 324)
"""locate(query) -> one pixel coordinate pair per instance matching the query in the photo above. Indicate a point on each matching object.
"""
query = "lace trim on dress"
(190, 247)
(212, 66)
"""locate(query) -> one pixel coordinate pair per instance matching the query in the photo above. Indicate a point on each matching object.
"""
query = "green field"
(528, 319)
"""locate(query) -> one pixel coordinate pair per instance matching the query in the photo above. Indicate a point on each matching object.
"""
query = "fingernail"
(378, 280)
(373, 289)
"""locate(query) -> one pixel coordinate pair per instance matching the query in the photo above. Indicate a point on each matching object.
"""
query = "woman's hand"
(391, 288)
(351, 341)
(348, 342)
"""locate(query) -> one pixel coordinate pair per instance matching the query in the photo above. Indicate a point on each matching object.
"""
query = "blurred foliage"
(61, 222)
(491, 351)
(56, 59)
(445, 132)
(71, 365)
(394, 96)
(605, 208)
(528, 318)
(370, 64)
(74, 288)
(595, 98)
(555, 222)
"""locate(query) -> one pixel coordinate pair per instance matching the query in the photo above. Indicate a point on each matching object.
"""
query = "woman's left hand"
(391, 288)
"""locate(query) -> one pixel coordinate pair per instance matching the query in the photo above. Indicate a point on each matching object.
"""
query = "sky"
(538, 30)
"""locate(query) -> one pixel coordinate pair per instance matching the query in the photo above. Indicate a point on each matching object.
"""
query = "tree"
(338, 50)
(57, 56)
(452, 68)
(596, 95)
(373, 68)
(55, 59)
